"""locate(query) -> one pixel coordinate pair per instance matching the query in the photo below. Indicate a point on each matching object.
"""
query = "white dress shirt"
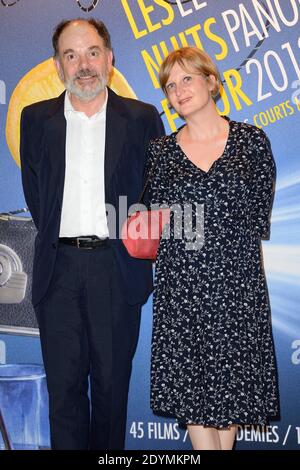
(83, 208)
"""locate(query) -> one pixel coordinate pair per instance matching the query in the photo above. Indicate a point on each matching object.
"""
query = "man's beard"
(88, 92)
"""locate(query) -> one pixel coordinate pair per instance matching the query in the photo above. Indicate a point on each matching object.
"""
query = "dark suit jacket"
(130, 124)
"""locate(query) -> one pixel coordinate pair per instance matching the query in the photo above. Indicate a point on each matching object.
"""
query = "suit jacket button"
(54, 246)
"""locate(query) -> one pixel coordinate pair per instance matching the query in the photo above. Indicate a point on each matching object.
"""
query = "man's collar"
(68, 108)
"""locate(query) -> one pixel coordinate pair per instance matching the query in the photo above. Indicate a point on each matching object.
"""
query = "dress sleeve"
(157, 187)
(263, 186)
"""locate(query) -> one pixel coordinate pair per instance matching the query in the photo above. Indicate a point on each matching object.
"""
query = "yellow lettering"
(235, 89)
(137, 34)
(164, 48)
(145, 12)
(194, 33)
(289, 107)
(183, 40)
(153, 65)
(263, 119)
(282, 106)
(160, 52)
(271, 115)
(174, 42)
(216, 38)
(255, 121)
(169, 9)
(278, 113)
(225, 100)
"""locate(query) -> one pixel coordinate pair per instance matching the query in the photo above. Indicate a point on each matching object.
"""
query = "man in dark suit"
(80, 154)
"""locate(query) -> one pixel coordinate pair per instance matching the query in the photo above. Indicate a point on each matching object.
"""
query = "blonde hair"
(190, 59)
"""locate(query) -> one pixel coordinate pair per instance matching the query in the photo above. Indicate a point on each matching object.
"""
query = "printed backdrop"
(256, 44)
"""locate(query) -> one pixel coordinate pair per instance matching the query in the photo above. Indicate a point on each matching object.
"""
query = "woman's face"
(188, 92)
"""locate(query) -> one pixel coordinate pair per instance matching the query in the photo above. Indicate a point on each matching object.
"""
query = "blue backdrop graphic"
(256, 44)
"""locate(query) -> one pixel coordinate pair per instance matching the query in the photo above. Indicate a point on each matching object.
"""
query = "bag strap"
(151, 171)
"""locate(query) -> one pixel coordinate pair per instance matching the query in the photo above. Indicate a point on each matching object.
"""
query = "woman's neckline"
(217, 159)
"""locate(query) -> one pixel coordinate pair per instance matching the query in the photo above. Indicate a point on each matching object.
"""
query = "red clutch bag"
(141, 232)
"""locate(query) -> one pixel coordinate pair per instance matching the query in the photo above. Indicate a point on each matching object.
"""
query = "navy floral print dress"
(213, 360)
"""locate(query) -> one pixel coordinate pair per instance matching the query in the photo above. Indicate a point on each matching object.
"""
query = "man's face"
(83, 62)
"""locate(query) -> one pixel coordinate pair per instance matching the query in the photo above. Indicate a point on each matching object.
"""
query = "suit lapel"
(55, 133)
(115, 137)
